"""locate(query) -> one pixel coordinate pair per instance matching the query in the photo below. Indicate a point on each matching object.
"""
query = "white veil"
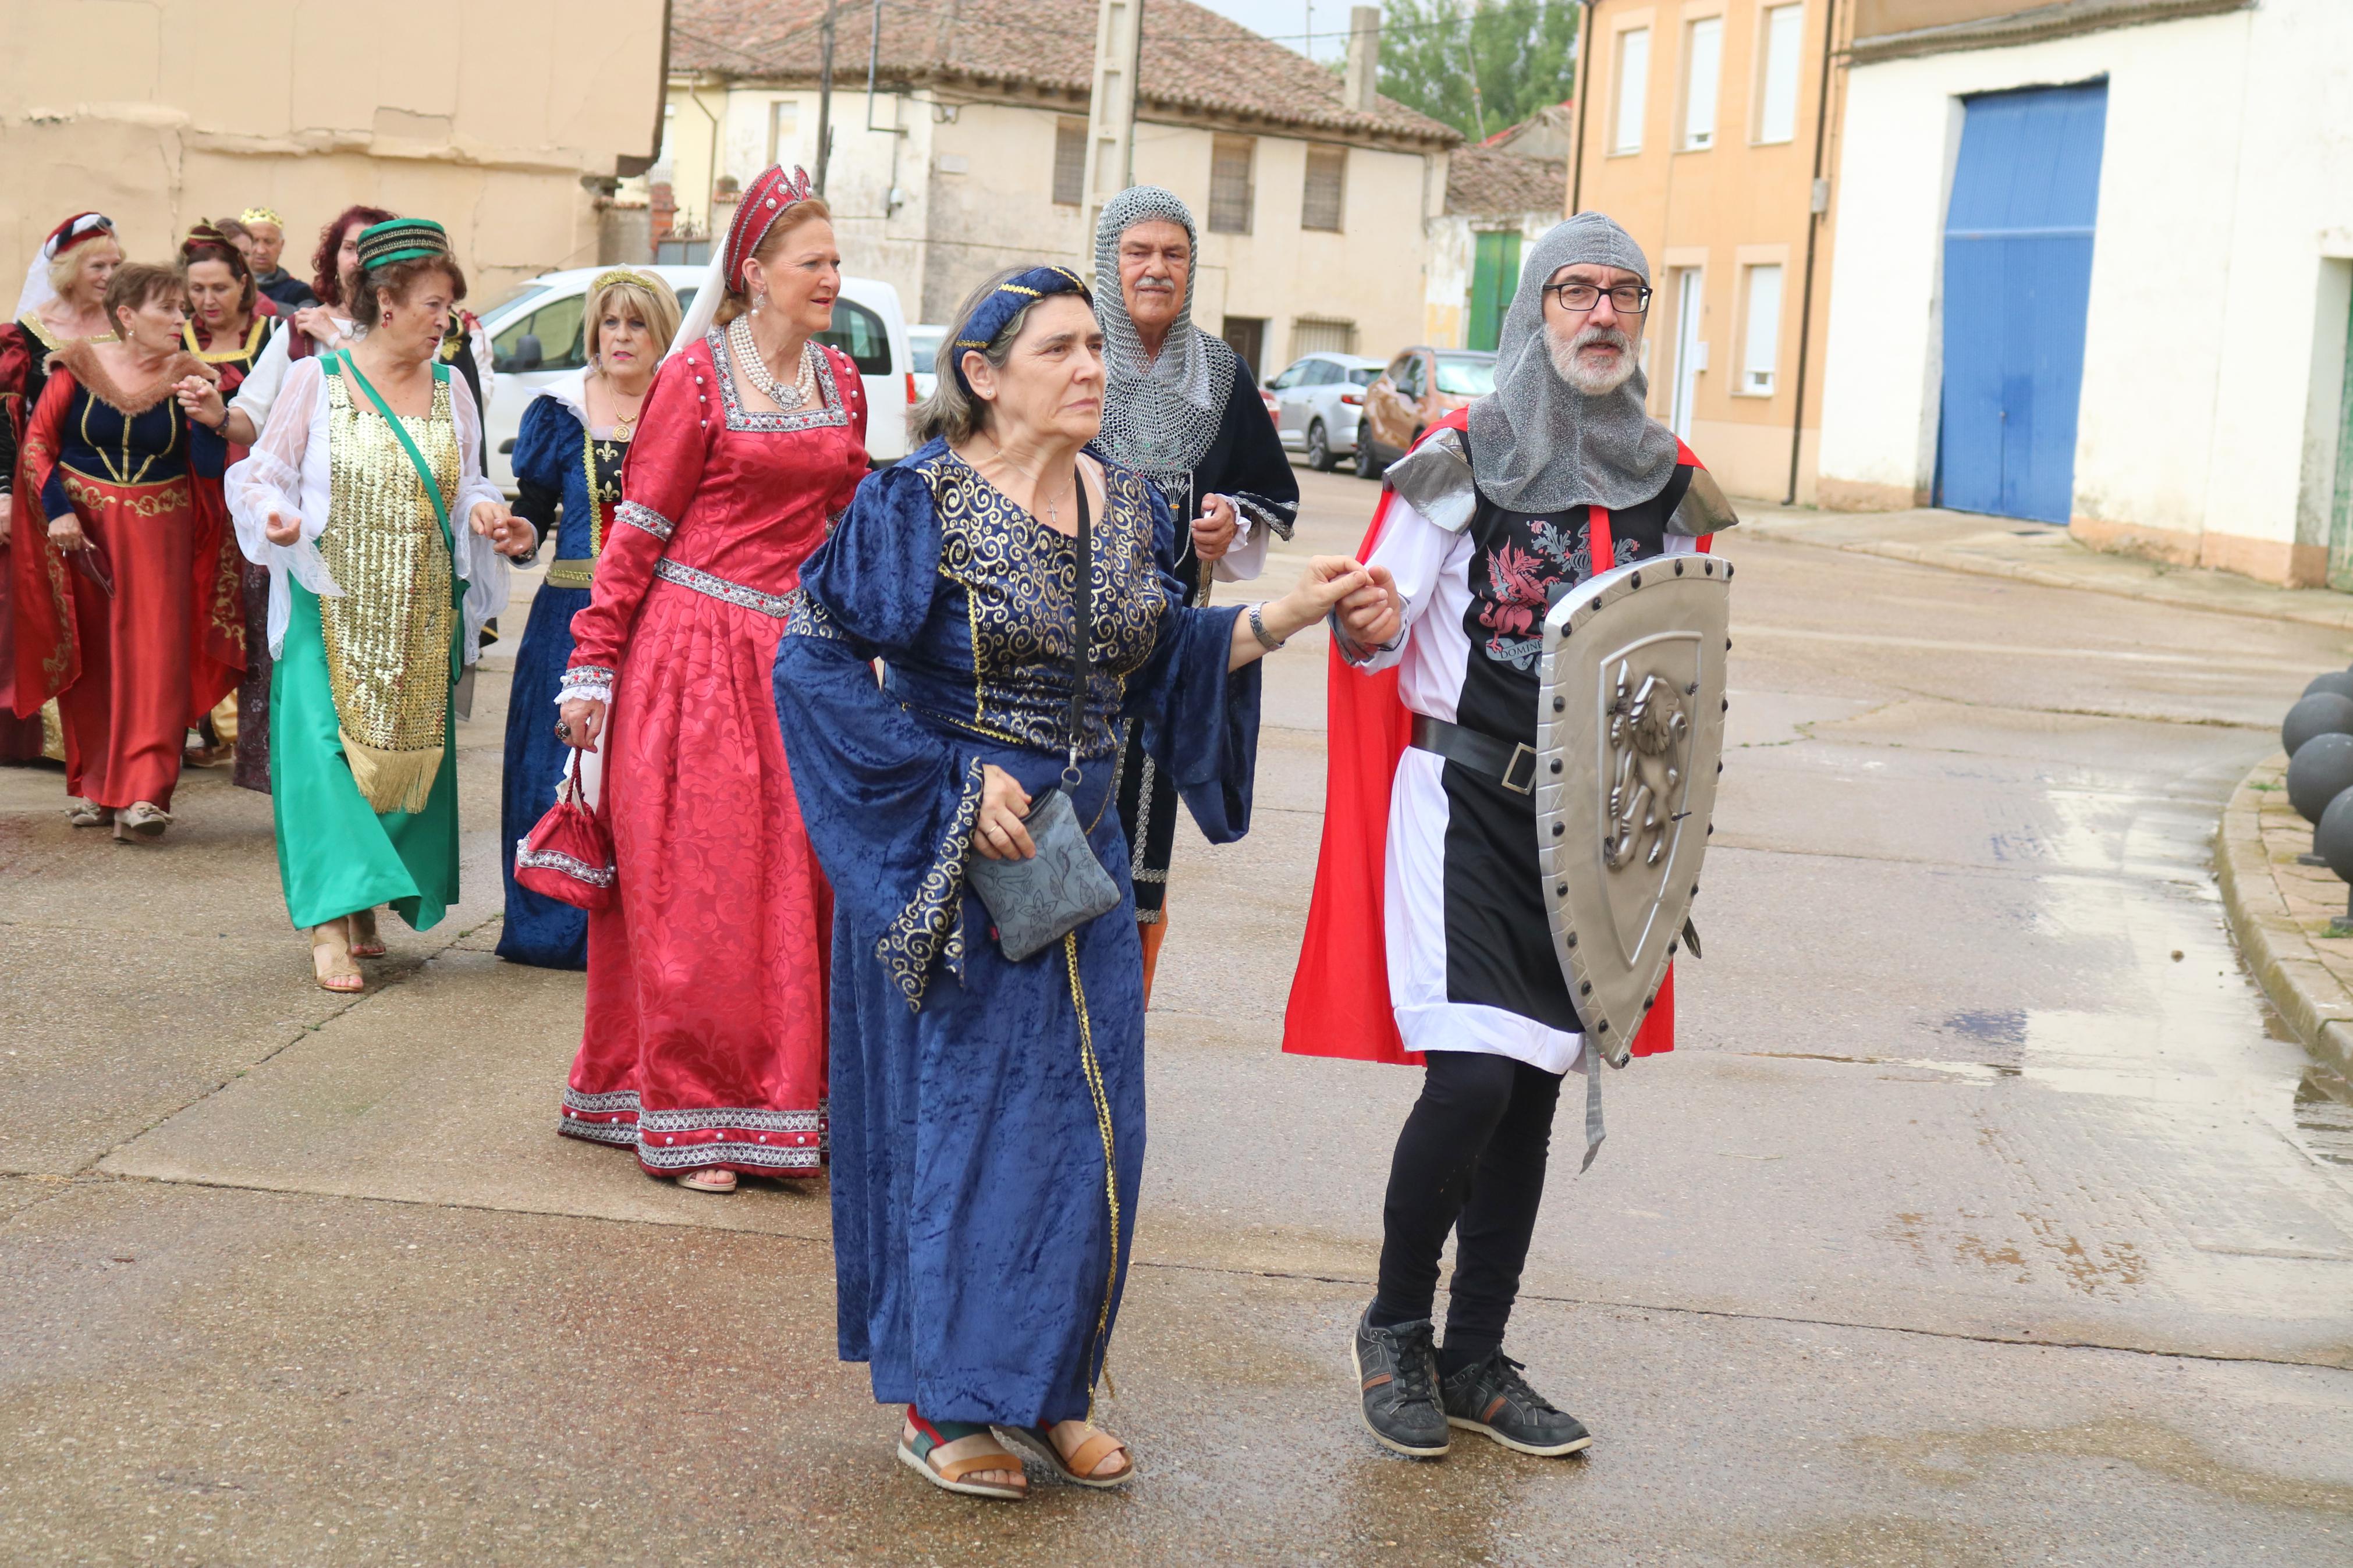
(708, 294)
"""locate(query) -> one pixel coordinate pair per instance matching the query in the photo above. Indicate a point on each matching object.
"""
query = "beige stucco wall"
(484, 117)
(1723, 208)
(942, 192)
(1453, 253)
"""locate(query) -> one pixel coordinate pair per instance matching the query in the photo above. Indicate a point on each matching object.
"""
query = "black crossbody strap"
(1083, 615)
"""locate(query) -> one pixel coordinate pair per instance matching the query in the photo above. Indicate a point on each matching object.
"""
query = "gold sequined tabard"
(388, 634)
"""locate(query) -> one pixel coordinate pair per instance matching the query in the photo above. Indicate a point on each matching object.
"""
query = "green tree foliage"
(1479, 64)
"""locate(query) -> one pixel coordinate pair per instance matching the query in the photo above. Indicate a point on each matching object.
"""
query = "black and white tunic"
(1469, 948)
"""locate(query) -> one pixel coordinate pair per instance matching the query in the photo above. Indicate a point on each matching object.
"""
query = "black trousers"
(1471, 1155)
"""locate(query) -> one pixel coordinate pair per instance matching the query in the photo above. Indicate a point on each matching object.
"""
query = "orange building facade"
(1707, 133)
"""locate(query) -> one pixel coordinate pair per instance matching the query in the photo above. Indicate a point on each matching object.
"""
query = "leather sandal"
(927, 1446)
(1079, 1464)
(335, 971)
(710, 1180)
(365, 942)
(141, 819)
(88, 814)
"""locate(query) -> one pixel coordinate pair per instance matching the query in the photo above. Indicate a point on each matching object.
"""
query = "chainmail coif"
(1159, 414)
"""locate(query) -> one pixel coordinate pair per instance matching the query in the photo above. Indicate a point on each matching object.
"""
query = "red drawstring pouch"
(568, 855)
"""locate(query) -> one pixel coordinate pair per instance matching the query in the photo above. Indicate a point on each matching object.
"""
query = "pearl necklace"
(756, 369)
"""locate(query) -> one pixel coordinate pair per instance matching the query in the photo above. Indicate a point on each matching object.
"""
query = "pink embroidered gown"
(705, 1046)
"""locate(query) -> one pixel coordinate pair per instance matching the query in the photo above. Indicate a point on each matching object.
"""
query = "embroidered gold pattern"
(931, 924)
(1091, 1068)
(1017, 576)
(158, 498)
(388, 634)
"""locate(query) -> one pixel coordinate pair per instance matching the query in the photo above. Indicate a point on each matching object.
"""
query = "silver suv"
(1317, 402)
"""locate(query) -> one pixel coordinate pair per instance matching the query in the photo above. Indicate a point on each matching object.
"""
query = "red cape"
(1340, 996)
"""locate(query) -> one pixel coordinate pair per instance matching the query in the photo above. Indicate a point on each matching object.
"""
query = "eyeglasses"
(1627, 298)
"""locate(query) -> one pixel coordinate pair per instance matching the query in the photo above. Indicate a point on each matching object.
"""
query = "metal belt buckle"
(1522, 752)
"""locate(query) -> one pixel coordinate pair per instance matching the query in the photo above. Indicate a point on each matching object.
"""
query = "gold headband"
(618, 275)
(260, 214)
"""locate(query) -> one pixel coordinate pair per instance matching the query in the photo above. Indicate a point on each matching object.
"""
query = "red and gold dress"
(135, 640)
(25, 345)
(706, 1040)
(242, 722)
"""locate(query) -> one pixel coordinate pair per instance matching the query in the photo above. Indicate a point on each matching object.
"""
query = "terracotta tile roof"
(1196, 63)
(1489, 181)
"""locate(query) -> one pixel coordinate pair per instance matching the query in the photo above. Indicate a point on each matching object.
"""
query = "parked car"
(924, 341)
(536, 337)
(1420, 386)
(1318, 403)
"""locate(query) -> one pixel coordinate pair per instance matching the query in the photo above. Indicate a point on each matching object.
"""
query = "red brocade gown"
(705, 1046)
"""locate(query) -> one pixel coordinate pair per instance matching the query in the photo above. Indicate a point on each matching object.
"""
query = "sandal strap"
(1082, 1460)
(956, 1469)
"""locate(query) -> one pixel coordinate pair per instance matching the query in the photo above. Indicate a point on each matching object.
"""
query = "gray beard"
(1592, 383)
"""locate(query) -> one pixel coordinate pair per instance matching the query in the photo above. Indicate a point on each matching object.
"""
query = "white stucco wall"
(2226, 182)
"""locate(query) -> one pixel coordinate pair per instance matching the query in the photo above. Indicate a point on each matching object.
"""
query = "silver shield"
(1630, 738)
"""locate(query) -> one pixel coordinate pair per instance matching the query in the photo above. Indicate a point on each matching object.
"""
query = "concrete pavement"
(1973, 1222)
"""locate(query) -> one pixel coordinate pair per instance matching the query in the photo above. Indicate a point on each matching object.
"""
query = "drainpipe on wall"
(1818, 204)
(1584, 94)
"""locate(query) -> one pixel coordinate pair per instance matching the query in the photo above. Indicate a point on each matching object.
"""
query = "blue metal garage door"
(2018, 280)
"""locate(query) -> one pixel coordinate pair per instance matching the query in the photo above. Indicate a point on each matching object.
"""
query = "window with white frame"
(1702, 69)
(785, 131)
(1070, 162)
(1229, 184)
(1782, 33)
(1760, 353)
(1633, 89)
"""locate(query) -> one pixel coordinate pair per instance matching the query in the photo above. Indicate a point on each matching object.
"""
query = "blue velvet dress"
(552, 457)
(988, 1116)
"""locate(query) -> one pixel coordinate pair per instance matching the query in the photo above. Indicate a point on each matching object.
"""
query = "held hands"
(316, 321)
(1214, 529)
(998, 833)
(200, 400)
(585, 718)
(507, 534)
(1374, 615)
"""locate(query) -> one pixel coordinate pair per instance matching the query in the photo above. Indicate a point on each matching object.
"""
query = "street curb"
(1988, 566)
(2317, 1004)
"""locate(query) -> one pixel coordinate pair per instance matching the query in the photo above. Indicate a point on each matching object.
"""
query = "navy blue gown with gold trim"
(979, 1105)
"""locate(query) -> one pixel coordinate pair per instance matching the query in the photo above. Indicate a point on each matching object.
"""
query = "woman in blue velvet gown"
(987, 1116)
(567, 468)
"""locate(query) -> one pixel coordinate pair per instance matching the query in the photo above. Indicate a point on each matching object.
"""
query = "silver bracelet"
(1266, 639)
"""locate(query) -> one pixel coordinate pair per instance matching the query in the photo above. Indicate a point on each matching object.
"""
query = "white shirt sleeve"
(1246, 557)
(259, 393)
(478, 561)
(286, 473)
(478, 341)
(1414, 548)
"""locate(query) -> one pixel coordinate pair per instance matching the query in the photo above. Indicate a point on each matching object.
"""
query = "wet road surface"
(1977, 1219)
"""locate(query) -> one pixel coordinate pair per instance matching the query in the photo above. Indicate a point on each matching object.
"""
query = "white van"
(536, 338)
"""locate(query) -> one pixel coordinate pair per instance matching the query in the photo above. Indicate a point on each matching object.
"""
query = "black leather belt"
(1498, 762)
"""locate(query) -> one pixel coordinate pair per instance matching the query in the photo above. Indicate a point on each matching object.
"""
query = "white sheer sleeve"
(485, 365)
(478, 560)
(258, 394)
(271, 480)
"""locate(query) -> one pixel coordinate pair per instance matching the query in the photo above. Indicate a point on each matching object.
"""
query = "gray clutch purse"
(1036, 902)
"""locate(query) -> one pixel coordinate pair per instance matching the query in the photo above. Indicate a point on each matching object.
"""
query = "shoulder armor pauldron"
(1702, 511)
(1435, 480)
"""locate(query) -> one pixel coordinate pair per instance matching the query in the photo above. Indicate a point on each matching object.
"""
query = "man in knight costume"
(1490, 801)
(1182, 409)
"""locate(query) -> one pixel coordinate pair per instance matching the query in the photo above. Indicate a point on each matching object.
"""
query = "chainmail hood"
(1161, 415)
(1539, 445)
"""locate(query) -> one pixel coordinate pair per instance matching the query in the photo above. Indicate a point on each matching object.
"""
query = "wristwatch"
(1266, 639)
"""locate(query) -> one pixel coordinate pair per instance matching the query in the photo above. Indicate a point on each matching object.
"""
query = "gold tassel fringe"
(392, 780)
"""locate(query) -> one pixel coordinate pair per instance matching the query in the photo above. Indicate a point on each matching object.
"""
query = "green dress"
(362, 733)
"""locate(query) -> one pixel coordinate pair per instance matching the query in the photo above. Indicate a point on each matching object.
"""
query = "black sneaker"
(1397, 1368)
(1491, 1396)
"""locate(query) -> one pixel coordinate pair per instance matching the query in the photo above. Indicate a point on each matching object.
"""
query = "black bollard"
(2321, 770)
(2335, 840)
(2325, 713)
